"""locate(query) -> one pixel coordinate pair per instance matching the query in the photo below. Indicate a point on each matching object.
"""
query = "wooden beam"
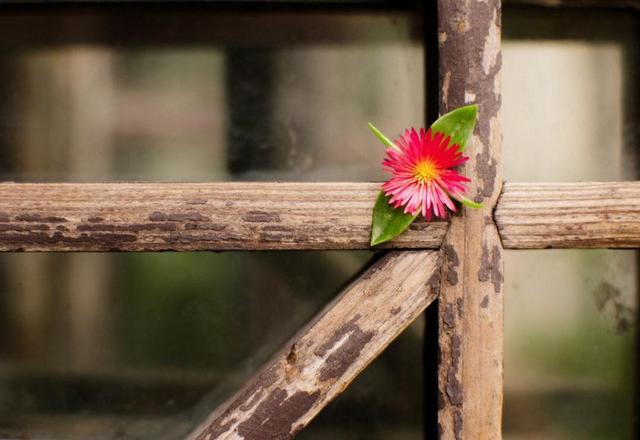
(569, 215)
(387, 3)
(471, 302)
(632, 4)
(319, 363)
(214, 26)
(248, 216)
(195, 217)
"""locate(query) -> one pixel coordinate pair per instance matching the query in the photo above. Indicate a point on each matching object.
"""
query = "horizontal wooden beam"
(256, 216)
(195, 217)
(318, 363)
(215, 27)
(569, 215)
(633, 4)
(389, 3)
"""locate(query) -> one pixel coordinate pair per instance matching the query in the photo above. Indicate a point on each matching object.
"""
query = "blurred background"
(141, 346)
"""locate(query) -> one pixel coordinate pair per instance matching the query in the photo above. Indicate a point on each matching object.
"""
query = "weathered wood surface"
(319, 362)
(471, 302)
(195, 216)
(227, 216)
(405, 3)
(633, 4)
(569, 215)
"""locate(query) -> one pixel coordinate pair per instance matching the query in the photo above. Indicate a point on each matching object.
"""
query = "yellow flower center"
(425, 171)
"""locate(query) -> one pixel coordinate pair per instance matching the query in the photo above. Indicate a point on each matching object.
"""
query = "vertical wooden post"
(471, 302)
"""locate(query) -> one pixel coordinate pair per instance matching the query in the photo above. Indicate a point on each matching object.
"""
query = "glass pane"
(570, 315)
(142, 345)
(569, 338)
(115, 346)
(205, 95)
(570, 95)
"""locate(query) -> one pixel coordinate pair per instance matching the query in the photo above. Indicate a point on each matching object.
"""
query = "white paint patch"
(495, 138)
(446, 81)
(442, 38)
(469, 97)
(459, 22)
(491, 45)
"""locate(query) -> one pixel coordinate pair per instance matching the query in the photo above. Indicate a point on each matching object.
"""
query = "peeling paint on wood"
(274, 416)
(451, 263)
(470, 338)
(166, 217)
(490, 265)
(340, 360)
(323, 358)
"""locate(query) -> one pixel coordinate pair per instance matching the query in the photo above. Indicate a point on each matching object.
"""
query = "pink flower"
(424, 179)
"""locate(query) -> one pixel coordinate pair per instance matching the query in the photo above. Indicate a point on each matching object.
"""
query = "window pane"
(569, 115)
(569, 337)
(208, 95)
(136, 346)
(570, 95)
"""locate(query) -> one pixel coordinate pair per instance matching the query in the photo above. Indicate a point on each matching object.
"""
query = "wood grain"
(569, 215)
(632, 4)
(319, 362)
(405, 3)
(471, 302)
(195, 217)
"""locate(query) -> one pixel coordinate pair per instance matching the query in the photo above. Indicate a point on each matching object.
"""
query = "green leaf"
(388, 222)
(385, 140)
(458, 124)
